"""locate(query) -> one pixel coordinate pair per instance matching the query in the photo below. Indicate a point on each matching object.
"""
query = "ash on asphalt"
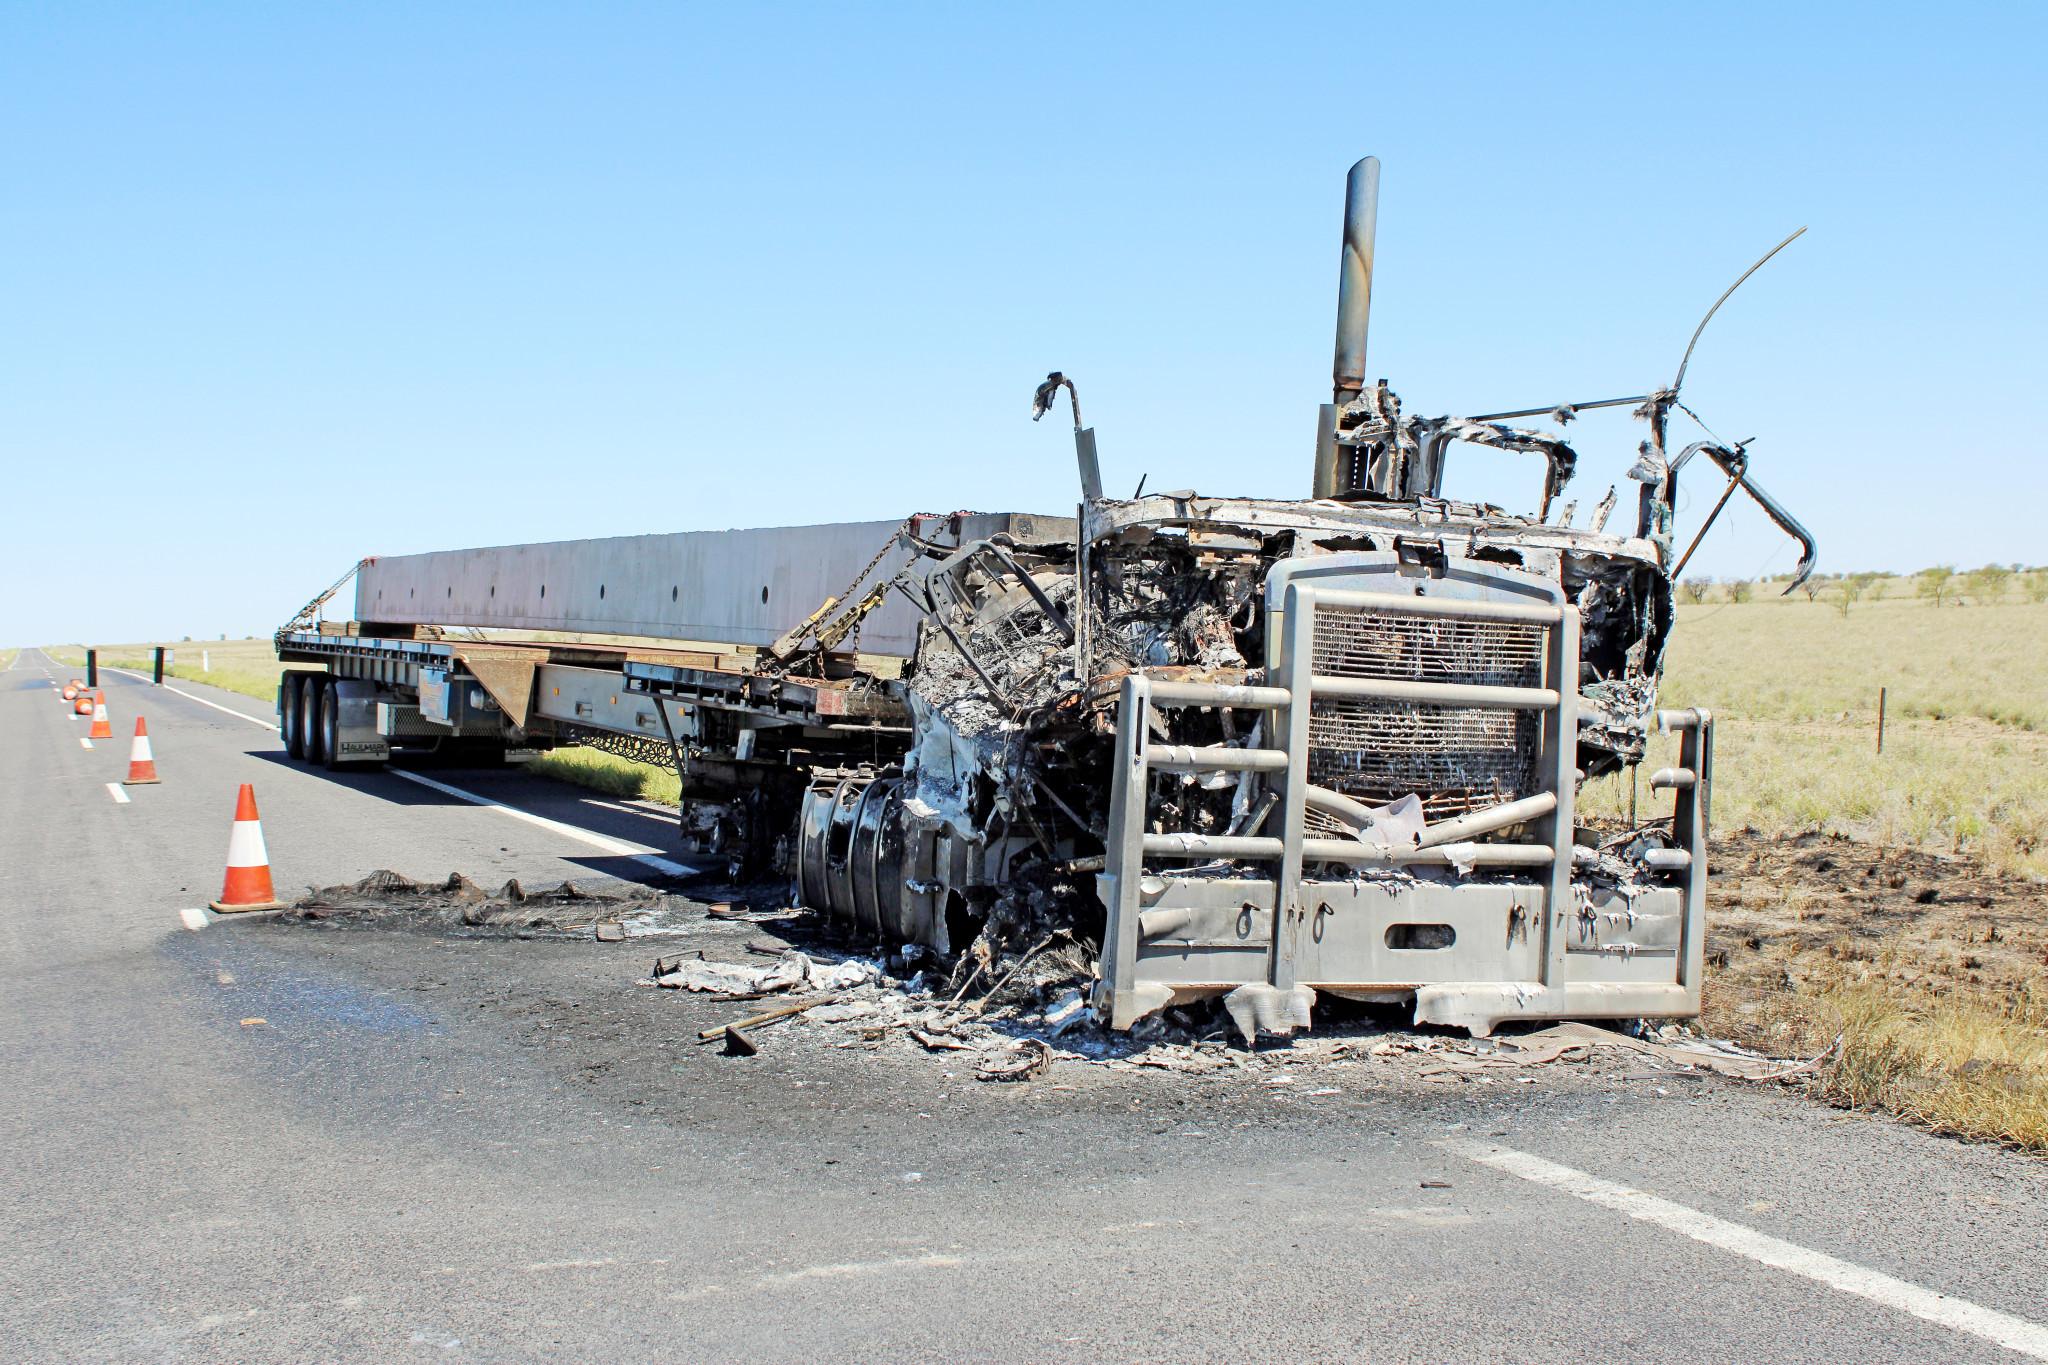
(584, 1014)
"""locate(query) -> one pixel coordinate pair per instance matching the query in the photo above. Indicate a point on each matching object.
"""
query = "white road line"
(598, 841)
(114, 790)
(266, 724)
(84, 743)
(594, 840)
(2016, 1334)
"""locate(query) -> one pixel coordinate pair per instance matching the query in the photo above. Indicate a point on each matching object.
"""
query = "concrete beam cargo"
(1256, 749)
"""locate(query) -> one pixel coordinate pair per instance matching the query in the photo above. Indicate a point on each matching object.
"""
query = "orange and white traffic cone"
(248, 882)
(82, 704)
(101, 727)
(141, 763)
(71, 691)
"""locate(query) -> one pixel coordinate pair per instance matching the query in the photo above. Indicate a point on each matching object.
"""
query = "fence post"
(1880, 719)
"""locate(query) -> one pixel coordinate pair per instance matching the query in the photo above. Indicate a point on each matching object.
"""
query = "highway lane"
(433, 1147)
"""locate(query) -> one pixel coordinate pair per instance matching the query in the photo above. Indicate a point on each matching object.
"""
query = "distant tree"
(1874, 585)
(1814, 585)
(2035, 585)
(1848, 588)
(1937, 583)
(1695, 589)
(1737, 589)
(1988, 583)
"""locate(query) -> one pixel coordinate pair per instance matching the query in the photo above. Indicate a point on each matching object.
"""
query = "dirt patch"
(1822, 909)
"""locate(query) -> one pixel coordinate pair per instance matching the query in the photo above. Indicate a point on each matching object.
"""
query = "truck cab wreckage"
(1229, 747)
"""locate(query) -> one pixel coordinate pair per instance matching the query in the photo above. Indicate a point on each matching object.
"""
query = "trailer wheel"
(330, 730)
(311, 738)
(288, 720)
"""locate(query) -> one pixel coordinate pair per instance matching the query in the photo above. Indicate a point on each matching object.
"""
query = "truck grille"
(1455, 759)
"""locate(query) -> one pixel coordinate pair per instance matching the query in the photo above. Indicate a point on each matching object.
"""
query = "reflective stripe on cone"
(142, 764)
(248, 880)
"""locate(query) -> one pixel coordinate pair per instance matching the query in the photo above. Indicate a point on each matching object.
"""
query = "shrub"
(1937, 583)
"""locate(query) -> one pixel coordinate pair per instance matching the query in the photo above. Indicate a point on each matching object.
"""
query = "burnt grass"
(1814, 909)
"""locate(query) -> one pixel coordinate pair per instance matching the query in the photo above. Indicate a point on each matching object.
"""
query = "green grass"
(613, 776)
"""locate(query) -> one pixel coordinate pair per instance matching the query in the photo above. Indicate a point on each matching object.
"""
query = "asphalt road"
(434, 1147)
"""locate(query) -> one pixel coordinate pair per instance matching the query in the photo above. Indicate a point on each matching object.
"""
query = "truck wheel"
(293, 734)
(330, 730)
(311, 691)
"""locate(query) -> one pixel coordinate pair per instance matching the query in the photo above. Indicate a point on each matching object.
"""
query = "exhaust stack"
(1354, 279)
(1354, 307)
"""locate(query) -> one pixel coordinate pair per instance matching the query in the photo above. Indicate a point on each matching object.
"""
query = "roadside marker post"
(158, 680)
(92, 668)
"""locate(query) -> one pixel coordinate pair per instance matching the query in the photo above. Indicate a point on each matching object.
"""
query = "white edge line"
(84, 743)
(599, 841)
(2016, 1334)
(120, 797)
(244, 715)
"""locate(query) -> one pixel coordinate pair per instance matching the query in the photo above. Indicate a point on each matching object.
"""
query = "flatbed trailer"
(1263, 750)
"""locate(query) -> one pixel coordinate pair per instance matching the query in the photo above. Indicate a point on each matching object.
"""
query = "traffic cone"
(141, 763)
(101, 727)
(71, 691)
(83, 704)
(248, 882)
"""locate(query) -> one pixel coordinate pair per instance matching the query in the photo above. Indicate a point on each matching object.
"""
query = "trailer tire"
(330, 731)
(289, 723)
(312, 693)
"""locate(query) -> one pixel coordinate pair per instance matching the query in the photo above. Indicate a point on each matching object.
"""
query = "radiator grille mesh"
(1455, 759)
(1351, 644)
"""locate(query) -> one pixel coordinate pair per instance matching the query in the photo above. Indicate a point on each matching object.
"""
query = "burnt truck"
(1224, 747)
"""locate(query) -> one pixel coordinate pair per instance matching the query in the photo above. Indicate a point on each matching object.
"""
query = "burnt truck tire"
(288, 720)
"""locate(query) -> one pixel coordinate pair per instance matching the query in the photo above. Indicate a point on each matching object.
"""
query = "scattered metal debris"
(1024, 1059)
(752, 1020)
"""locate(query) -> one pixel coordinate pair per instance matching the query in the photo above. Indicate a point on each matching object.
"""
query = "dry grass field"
(1905, 888)
(1794, 689)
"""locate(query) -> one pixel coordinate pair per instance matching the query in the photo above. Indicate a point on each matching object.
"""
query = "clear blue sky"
(283, 286)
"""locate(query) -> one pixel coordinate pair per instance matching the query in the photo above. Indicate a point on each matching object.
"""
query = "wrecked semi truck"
(1250, 748)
